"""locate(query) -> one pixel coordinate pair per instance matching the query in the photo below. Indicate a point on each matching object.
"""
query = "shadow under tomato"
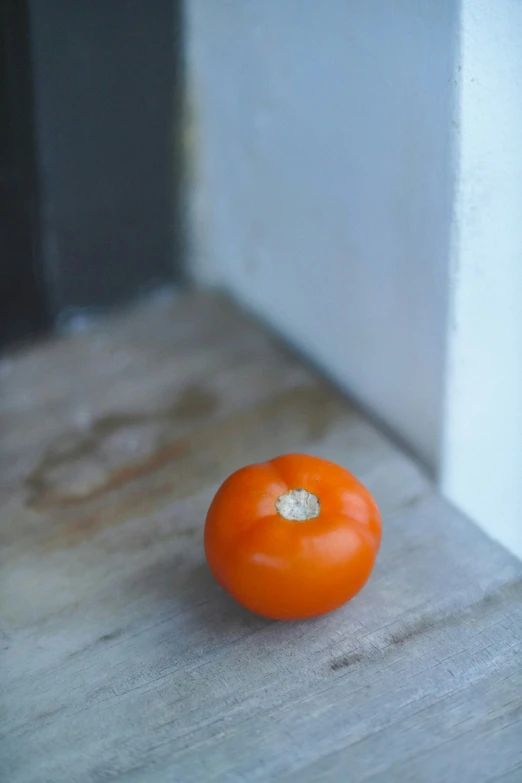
(209, 605)
(191, 591)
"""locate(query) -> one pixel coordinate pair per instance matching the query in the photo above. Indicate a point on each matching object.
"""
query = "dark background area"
(90, 108)
(22, 290)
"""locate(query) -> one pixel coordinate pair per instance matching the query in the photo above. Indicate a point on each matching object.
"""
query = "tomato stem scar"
(298, 505)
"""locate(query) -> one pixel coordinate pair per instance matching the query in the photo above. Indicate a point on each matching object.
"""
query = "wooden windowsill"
(121, 656)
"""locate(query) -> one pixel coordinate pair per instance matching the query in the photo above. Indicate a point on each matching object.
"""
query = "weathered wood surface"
(122, 659)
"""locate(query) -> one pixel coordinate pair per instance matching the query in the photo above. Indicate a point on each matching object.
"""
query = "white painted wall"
(357, 181)
(481, 461)
(324, 185)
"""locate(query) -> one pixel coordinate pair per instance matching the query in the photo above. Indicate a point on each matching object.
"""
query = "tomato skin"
(288, 568)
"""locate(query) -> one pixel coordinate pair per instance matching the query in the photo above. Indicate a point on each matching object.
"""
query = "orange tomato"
(291, 538)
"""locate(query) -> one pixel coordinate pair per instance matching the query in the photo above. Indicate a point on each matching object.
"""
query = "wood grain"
(121, 658)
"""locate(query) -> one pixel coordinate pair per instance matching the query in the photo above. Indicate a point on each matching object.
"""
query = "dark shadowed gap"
(90, 140)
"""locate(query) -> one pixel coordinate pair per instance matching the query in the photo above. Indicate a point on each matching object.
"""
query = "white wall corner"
(481, 460)
(356, 179)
